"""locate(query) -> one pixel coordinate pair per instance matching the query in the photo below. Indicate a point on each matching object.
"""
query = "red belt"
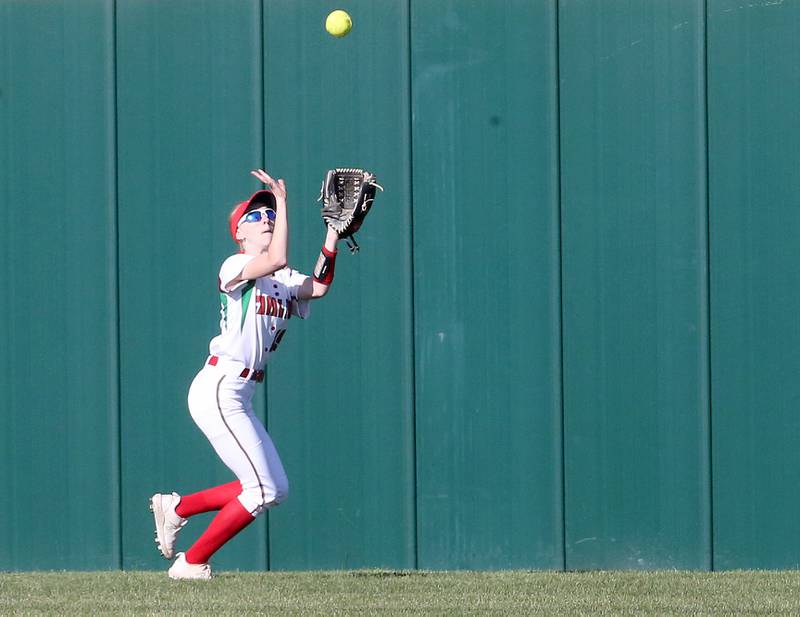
(247, 373)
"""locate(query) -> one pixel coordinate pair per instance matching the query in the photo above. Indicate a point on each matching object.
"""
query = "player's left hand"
(278, 187)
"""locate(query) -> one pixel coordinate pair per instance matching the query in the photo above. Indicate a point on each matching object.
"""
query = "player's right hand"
(278, 187)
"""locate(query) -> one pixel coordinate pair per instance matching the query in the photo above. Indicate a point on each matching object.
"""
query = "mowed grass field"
(403, 593)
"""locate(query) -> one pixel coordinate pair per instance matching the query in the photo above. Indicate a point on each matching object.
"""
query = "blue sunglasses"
(256, 215)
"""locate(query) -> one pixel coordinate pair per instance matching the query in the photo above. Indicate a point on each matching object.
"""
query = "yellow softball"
(338, 23)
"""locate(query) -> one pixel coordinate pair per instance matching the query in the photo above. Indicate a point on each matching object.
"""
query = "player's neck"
(249, 249)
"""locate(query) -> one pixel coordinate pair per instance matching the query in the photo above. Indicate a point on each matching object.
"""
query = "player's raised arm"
(265, 237)
(347, 195)
(275, 257)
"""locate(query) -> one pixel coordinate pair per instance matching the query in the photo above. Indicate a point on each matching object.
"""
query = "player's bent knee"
(252, 499)
(276, 495)
(256, 500)
(281, 493)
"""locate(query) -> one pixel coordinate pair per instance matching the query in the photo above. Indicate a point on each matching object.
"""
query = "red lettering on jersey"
(267, 305)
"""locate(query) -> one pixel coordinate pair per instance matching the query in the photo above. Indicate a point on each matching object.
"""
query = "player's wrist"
(326, 265)
(331, 238)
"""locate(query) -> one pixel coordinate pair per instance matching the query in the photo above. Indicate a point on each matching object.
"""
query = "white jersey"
(254, 314)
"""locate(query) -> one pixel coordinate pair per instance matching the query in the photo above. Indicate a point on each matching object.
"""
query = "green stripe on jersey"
(247, 291)
(223, 299)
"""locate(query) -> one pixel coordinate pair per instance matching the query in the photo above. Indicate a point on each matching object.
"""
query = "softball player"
(259, 295)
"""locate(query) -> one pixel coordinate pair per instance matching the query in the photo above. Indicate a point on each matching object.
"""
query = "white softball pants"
(221, 406)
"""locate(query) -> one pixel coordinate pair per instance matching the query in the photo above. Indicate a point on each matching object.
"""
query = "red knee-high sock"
(230, 521)
(210, 499)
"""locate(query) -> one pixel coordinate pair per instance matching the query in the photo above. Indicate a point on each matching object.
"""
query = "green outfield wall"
(578, 297)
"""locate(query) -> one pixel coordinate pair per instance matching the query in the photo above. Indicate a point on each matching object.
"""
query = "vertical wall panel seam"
(263, 147)
(413, 350)
(560, 290)
(115, 326)
(707, 325)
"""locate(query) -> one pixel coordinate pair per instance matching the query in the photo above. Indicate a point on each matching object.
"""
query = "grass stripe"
(403, 593)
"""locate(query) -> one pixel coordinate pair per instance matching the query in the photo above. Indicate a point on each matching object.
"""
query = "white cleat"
(168, 522)
(182, 569)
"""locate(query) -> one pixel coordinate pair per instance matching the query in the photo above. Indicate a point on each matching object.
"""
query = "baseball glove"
(347, 195)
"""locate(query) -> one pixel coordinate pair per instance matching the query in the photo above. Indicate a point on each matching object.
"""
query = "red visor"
(258, 200)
